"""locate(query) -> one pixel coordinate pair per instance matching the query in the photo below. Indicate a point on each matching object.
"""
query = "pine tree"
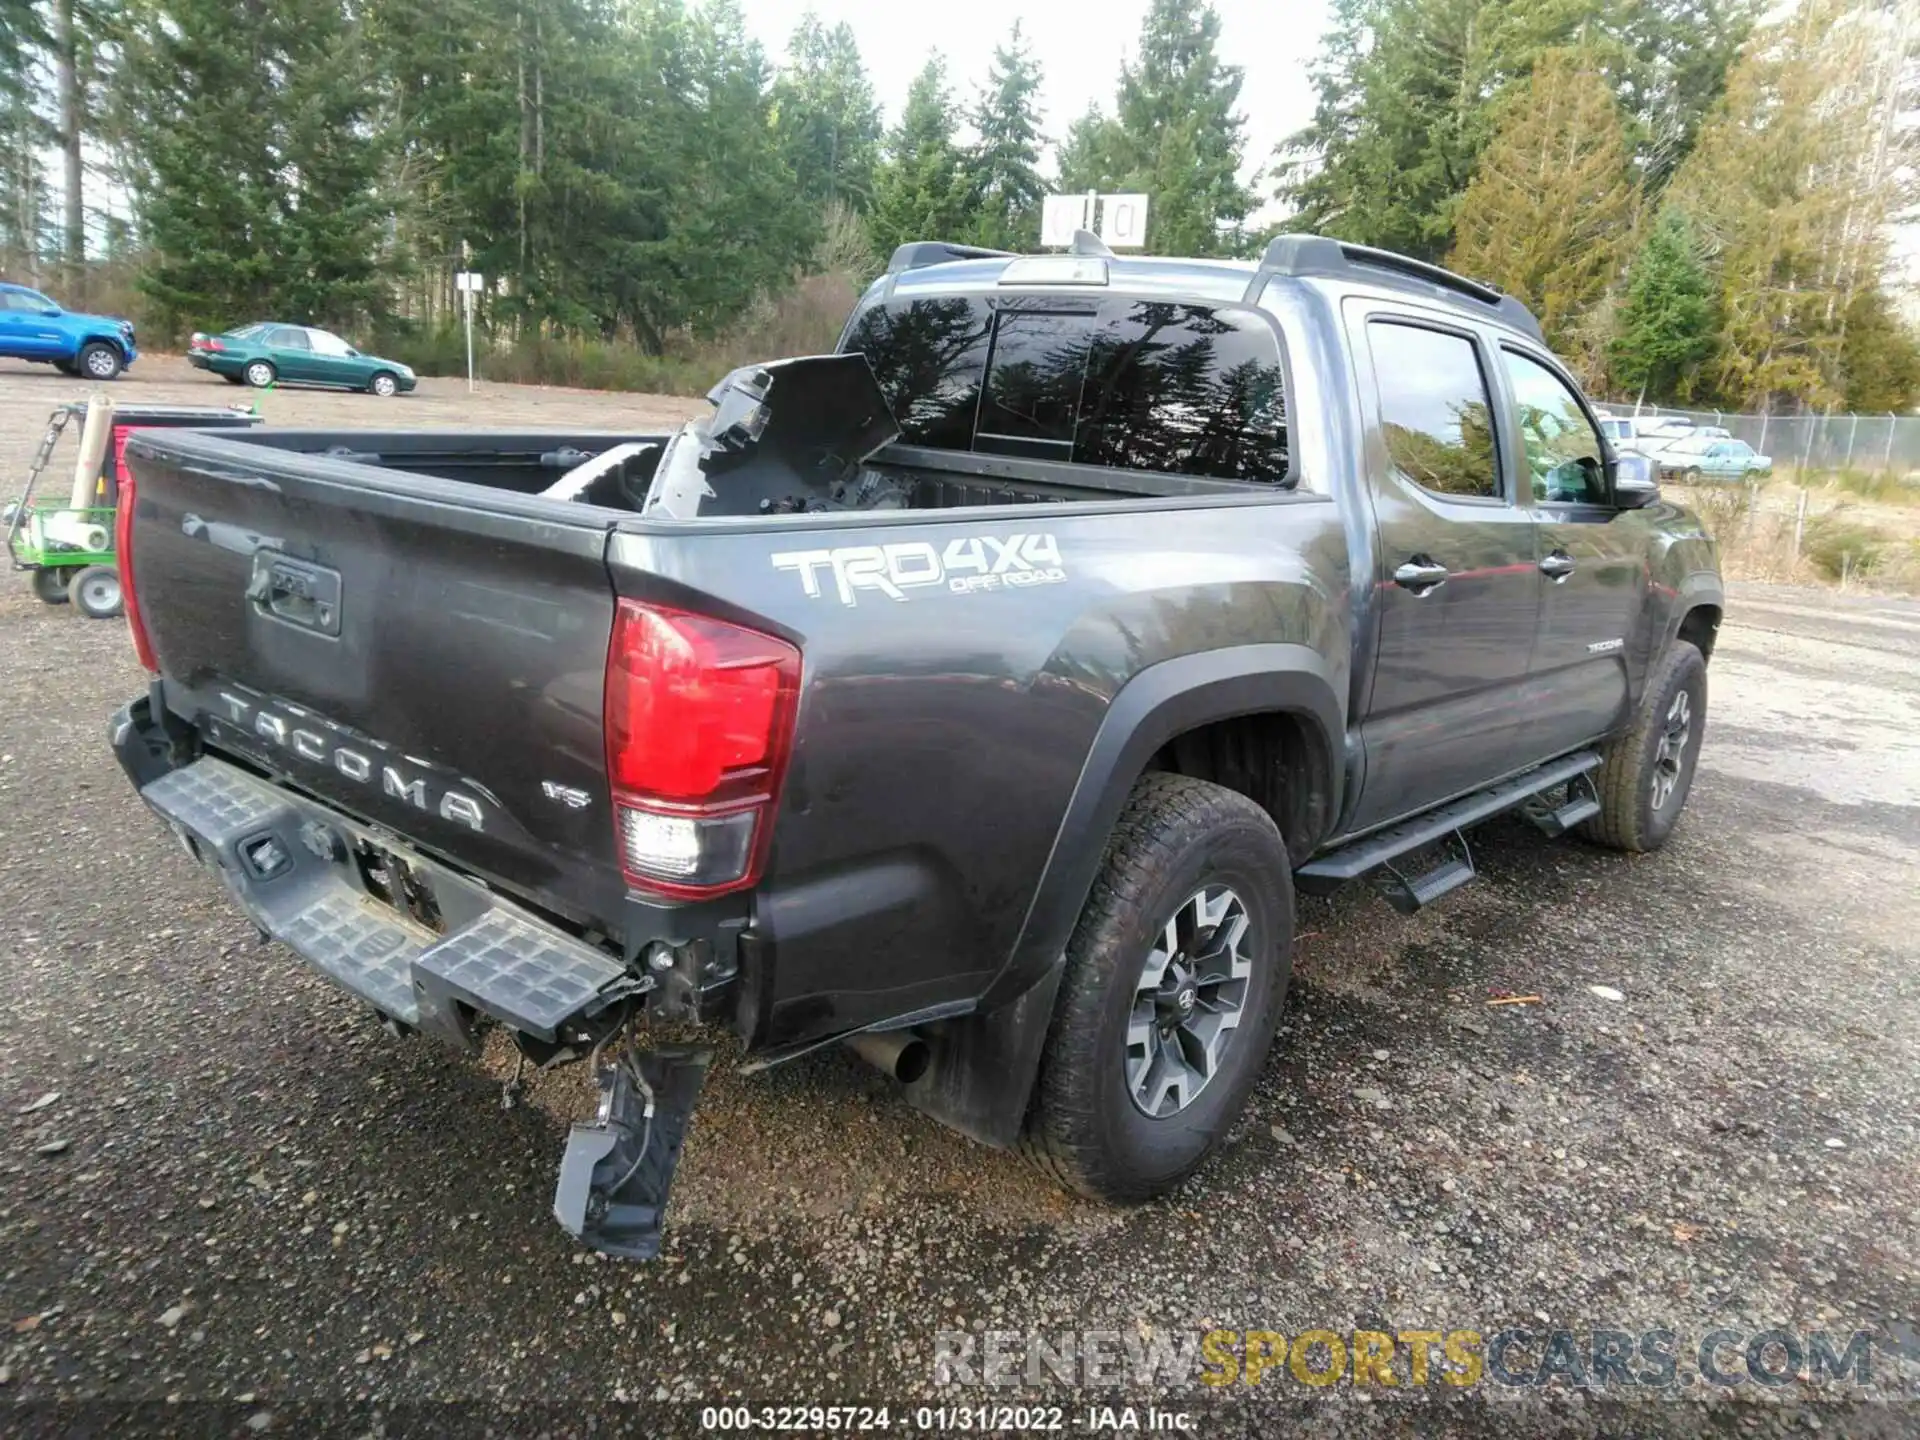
(23, 134)
(1550, 209)
(1664, 329)
(920, 192)
(1792, 185)
(826, 115)
(1084, 158)
(1880, 358)
(1175, 136)
(1670, 59)
(1410, 92)
(1003, 174)
(737, 225)
(201, 107)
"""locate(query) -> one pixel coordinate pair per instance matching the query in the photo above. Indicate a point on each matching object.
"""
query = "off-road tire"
(1628, 819)
(99, 360)
(1175, 836)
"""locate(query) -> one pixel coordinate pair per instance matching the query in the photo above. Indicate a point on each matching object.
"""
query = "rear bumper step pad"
(290, 864)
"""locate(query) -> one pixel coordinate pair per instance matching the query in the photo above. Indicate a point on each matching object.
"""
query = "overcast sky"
(1079, 47)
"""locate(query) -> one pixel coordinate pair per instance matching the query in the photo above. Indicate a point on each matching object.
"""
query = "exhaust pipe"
(899, 1053)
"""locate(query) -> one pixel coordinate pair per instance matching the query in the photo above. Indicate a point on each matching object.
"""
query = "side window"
(1032, 395)
(1565, 459)
(1185, 390)
(325, 343)
(929, 357)
(289, 337)
(14, 300)
(1435, 412)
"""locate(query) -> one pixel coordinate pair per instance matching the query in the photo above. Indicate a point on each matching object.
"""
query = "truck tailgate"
(426, 656)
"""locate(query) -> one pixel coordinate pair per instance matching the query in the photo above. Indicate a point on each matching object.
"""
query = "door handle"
(1420, 575)
(1557, 566)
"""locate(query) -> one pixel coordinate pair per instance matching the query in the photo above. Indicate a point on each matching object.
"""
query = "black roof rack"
(918, 253)
(1318, 255)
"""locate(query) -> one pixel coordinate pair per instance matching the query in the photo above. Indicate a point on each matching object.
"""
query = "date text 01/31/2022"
(977, 1419)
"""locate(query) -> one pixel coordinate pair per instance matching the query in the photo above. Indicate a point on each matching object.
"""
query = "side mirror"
(51, 310)
(1636, 481)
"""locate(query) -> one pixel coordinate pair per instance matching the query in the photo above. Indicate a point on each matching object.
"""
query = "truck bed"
(902, 477)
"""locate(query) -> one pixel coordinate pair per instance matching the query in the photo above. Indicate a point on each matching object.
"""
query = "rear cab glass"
(1130, 384)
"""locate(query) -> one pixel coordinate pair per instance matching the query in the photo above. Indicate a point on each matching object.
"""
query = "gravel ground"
(257, 1212)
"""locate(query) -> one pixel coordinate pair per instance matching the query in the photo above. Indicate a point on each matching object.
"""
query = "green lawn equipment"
(65, 543)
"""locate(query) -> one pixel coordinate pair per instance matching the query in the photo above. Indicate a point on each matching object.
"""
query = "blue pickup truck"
(32, 327)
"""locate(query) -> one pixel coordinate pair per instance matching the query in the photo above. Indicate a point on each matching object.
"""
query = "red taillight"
(211, 344)
(699, 721)
(123, 560)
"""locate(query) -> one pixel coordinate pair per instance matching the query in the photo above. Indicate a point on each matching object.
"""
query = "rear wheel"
(100, 361)
(260, 374)
(1692, 476)
(1175, 977)
(95, 592)
(1647, 773)
(384, 385)
(49, 583)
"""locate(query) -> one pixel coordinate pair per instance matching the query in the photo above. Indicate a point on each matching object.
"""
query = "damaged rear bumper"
(432, 950)
(421, 943)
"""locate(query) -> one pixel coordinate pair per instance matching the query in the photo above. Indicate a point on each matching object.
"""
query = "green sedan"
(266, 353)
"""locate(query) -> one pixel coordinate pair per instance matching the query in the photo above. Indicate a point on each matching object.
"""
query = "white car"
(1644, 433)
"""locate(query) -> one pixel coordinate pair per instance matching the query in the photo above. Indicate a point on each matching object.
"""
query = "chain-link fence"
(1868, 443)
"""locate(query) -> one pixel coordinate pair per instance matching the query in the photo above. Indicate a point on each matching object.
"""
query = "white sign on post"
(1061, 215)
(1120, 220)
(469, 283)
(1123, 221)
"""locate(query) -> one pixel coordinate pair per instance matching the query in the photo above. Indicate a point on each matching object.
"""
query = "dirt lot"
(265, 1202)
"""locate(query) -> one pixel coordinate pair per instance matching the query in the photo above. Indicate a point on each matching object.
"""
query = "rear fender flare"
(985, 1064)
(1162, 701)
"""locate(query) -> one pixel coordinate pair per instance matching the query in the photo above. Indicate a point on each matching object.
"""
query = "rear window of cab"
(1127, 384)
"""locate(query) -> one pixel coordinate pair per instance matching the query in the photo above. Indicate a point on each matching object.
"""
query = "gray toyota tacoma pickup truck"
(979, 696)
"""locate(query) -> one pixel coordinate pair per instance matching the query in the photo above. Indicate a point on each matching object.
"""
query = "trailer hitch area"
(615, 1174)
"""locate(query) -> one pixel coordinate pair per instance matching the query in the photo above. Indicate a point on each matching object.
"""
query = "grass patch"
(1843, 549)
(1884, 487)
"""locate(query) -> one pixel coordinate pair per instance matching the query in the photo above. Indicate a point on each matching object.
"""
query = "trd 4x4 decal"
(966, 565)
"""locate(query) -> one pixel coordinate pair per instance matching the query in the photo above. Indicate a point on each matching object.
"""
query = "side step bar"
(1372, 856)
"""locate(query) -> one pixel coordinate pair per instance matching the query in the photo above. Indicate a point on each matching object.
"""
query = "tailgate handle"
(296, 591)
